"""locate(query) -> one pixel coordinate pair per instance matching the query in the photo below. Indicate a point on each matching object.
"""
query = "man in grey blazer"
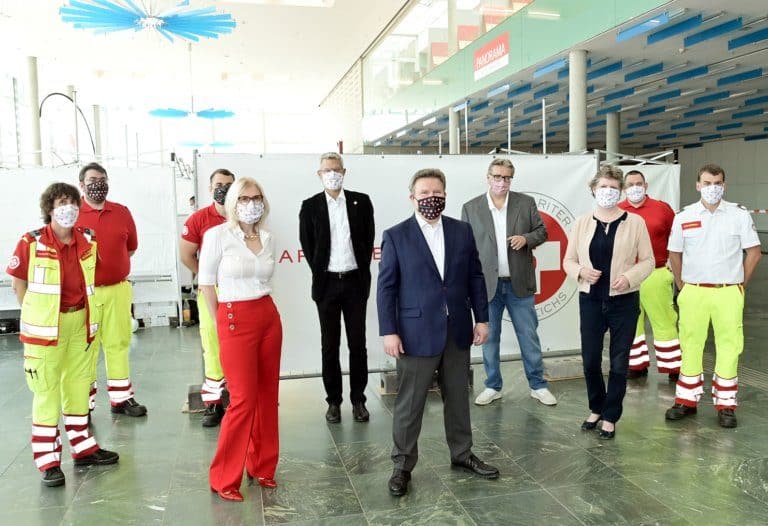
(507, 227)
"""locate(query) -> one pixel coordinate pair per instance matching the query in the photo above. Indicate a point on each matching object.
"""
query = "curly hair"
(53, 192)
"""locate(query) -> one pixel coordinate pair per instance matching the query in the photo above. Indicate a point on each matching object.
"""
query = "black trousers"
(343, 295)
(415, 375)
(618, 315)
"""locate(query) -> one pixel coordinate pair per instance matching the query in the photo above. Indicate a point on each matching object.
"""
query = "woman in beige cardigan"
(609, 254)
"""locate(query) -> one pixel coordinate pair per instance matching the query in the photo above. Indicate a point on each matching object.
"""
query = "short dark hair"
(53, 192)
(638, 172)
(91, 166)
(711, 168)
(432, 173)
(222, 171)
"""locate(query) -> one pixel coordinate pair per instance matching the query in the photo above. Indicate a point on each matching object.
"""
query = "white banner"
(558, 183)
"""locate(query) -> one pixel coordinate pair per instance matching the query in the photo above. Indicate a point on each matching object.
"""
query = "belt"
(715, 285)
(505, 278)
(341, 275)
(74, 308)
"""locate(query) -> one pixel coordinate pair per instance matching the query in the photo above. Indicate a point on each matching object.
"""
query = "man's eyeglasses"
(245, 199)
(499, 178)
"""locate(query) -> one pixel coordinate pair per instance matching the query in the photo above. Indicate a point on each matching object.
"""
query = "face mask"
(712, 194)
(220, 193)
(607, 197)
(499, 187)
(66, 215)
(431, 207)
(97, 191)
(636, 193)
(332, 180)
(249, 212)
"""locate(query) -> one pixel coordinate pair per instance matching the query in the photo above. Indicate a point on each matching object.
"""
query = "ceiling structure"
(702, 76)
(283, 54)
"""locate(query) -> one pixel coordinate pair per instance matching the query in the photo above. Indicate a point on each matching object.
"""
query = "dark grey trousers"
(415, 377)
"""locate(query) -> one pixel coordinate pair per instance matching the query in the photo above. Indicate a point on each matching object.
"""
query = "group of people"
(443, 286)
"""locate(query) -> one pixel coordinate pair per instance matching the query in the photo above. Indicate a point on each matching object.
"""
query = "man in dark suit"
(336, 230)
(507, 227)
(430, 283)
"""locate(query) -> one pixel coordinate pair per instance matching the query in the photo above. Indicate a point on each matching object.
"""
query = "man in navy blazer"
(430, 283)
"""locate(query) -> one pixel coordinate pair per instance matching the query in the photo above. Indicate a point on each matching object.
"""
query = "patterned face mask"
(636, 193)
(220, 193)
(712, 194)
(431, 207)
(97, 191)
(250, 212)
(607, 197)
(66, 215)
(332, 180)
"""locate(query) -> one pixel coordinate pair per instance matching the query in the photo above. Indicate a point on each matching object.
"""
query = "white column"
(97, 130)
(453, 29)
(577, 100)
(612, 131)
(34, 111)
(453, 132)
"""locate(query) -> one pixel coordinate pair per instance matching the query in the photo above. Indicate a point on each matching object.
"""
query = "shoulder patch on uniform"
(35, 233)
(14, 263)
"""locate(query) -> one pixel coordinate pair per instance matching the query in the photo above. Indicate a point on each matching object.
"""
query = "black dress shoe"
(679, 411)
(333, 415)
(586, 425)
(53, 477)
(360, 413)
(212, 415)
(606, 435)
(726, 418)
(101, 457)
(478, 467)
(633, 374)
(398, 482)
(673, 377)
(130, 407)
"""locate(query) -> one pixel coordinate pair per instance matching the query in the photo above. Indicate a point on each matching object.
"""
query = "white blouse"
(226, 261)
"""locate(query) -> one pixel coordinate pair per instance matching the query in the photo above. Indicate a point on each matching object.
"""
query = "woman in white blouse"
(236, 266)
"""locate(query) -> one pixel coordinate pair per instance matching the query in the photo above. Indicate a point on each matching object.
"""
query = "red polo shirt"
(72, 282)
(198, 223)
(658, 217)
(115, 238)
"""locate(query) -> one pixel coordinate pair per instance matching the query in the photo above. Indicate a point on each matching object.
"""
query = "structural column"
(453, 29)
(612, 135)
(453, 132)
(577, 100)
(34, 110)
(97, 130)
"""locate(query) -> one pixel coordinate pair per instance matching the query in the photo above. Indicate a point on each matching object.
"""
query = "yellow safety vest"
(42, 301)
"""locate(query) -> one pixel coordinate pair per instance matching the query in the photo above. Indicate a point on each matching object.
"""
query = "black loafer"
(674, 377)
(360, 413)
(477, 467)
(212, 415)
(634, 374)
(130, 407)
(398, 482)
(726, 418)
(679, 411)
(606, 435)
(333, 415)
(53, 477)
(101, 457)
(586, 425)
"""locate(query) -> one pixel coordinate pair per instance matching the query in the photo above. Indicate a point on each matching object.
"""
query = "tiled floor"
(654, 472)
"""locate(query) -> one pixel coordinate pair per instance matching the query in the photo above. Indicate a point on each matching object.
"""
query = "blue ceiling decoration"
(215, 114)
(180, 21)
(169, 113)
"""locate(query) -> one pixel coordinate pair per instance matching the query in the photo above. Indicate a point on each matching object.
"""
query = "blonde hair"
(607, 172)
(230, 203)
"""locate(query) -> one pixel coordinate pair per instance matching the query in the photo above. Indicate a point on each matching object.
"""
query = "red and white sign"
(492, 57)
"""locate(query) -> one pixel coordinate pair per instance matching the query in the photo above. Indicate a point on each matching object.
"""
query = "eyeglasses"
(498, 178)
(245, 199)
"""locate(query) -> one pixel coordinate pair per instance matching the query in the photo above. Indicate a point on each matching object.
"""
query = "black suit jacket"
(315, 236)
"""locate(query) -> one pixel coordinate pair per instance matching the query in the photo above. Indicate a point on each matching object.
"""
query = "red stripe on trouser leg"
(46, 446)
(250, 357)
(668, 356)
(81, 442)
(211, 390)
(689, 389)
(638, 354)
(724, 392)
(92, 396)
(119, 391)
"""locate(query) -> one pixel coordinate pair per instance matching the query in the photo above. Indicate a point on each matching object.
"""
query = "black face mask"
(97, 191)
(431, 207)
(220, 193)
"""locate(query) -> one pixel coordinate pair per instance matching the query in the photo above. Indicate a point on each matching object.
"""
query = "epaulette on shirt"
(741, 206)
(87, 232)
(33, 234)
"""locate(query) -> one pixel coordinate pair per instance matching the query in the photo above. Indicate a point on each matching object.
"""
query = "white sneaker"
(487, 396)
(542, 395)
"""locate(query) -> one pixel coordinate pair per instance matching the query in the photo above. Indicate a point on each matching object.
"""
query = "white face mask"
(636, 193)
(332, 180)
(250, 212)
(66, 215)
(607, 197)
(712, 194)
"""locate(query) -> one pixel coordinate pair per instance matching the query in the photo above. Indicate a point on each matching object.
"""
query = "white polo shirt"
(499, 217)
(712, 242)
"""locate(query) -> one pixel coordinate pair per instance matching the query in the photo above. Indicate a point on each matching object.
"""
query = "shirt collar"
(239, 234)
(493, 206)
(699, 207)
(339, 200)
(424, 223)
(212, 210)
(85, 207)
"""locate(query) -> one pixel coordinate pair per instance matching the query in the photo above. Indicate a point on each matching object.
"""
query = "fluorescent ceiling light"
(401, 133)
(429, 121)
(729, 108)
(544, 15)
(432, 82)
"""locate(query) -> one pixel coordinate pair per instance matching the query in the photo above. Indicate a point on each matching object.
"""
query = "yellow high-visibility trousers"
(213, 384)
(657, 303)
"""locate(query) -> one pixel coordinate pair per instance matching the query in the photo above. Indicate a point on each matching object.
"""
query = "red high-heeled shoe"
(267, 483)
(230, 494)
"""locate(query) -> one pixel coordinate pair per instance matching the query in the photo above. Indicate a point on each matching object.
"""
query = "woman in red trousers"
(236, 266)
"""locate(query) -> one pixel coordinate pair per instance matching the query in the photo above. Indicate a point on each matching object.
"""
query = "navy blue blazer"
(412, 298)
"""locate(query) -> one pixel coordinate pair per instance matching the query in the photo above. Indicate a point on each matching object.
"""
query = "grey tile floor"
(654, 472)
